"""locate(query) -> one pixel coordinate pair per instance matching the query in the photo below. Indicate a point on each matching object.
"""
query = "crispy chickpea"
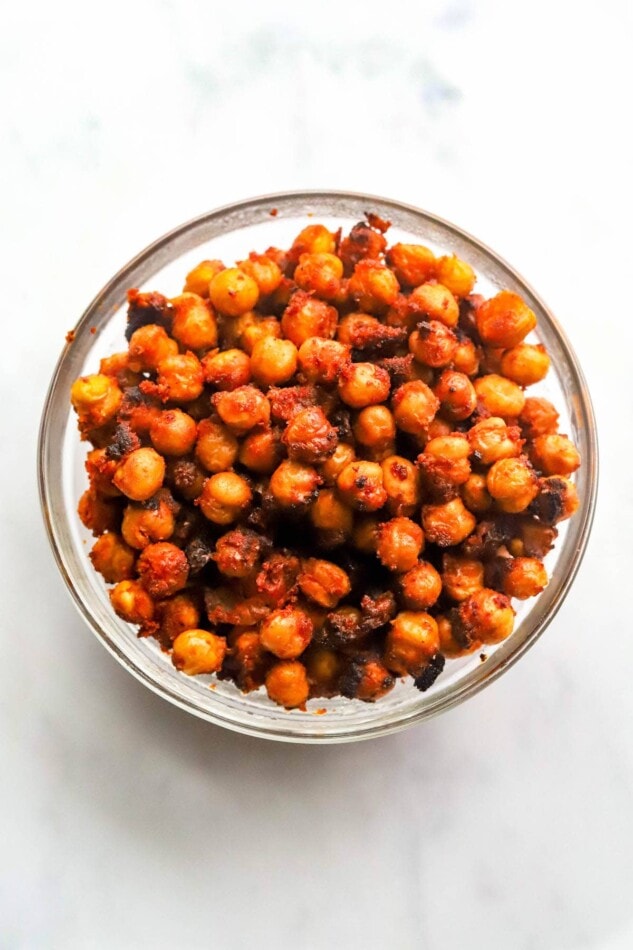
(113, 558)
(330, 514)
(264, 270)
(475, 494)
(444, 462)
(198, 651)
(411, 642)
(413, 264)
(101, 470)
(512, 483)
(536, 539)
(401, 481)
(148, 346)
(173, 432)
(273, 361)
(399, 544)
(321, 361)
(456, 275)
(557, 499)
(504, 320)
(233, 292)
(466, 357)
(437, 302)
(525, 363)
(500, 396)
(447, 524)
(363, 384)
(366, 678)
(237, 552)
(307, 316)
(375, 427)
(332, 468)
(360, 485)
(180, 378)
(323, 666)
(96, 399)
(216, 446)
(523, 577)
(118, 366)
(175, 615)
(132, 602)
(227, 369)
(457, 396)
(97, 513)
(373, 286)
(199, 278)
(152, 521)
(461, 576)
(365, 534)
(260, 451)
(242, 409)
(319, 274)
(555, 454)
(314, 239)
(163, 569)
(414, 406)
(309, 437)
(185, 477)
(224, 497)
(248, 660)
(364, 240)
(258, 329)
(323, 582)
(287, 684)
(433, 344)
(294, 485)
(286, 632)
(538, 417)
(141, 474)
(492, 440)
(454, 642)
(194, 324)
(421, 586)
(486, 615)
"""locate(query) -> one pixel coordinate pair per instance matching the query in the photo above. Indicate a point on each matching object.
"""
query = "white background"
(125, 823)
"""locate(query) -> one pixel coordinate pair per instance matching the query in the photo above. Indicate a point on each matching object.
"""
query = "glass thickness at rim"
(311, 205)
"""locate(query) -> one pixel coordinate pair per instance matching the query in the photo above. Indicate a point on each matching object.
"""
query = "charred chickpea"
(360, 485)
(323, 582)
(366, 678)
(224, 497)
(557, 499)
(401, 481)
(375, 428)
(287, 684)
(113, 558)
(512, 483)
(260, 451)
(185, 477)
(461, 576)
(198, 651)
(321, 361)
(492, 440)
(330, 514)
(216, 446)
(437, 302)
(538, 417)
(536, 539)
(286, 632)
(400, 542)
(447, 524)
(227, 369)
(320, 274)
(414, 406)
(140, 475)
(307, 316)
(309, 437)
(273, 361)
(420, 587)
(163, 569)
(148, 346)
(180, 378)
(193, 324)
(173, 432)
(487, 616)
(413, 264)
(323, 666)
(523, 577)
(475, 494)
(237, 553)
(264, 271)
(363, 384)
(242, 409)
(411, 642)
(153, 521)
(233, 292)
(456, 275)
(500, 396)
(331, 469)
(294, 485)
(525, 363)
(314, 239)
(101, 470)
(132, 602)
(373, 286)
(453, 640)
(199, 278)
(433, 344)
(96, 399)
(504, 320)
(457, 396)
(248, 660)
(175, 615)
(555, 454)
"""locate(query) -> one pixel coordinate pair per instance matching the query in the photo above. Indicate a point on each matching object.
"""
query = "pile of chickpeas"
(318, 471)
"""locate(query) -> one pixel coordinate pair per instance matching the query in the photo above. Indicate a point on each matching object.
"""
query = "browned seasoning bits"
(317, 470)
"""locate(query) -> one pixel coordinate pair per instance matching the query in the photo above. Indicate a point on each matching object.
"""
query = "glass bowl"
(230, 233)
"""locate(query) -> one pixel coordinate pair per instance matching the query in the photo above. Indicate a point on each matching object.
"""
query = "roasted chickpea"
(173, 432)
(198, 651)
(360, 485)
(457, 396)
(555, 454)
(331, 469)
(523, 577)
(487, 616)
(152, 521)
(180, 378)
(466, 357)
(456, 275)
(309, 437)
(216, 447)
(331, 515)
(101, 470)
(454, 641)
(163, 569)
(273, 361)
(148, 346)
(224, 497)
(314, 239)
(414, 406)
(461, 576)
(373, 286)
(525, 363)
(399, 544)
(375, 427)
(97, 513)
(140, 475)
(227, 369)
(307, 316)
(433, 344)
(194, 324)
(264, 270)
(321, 361)
(475, 494)
(237, 552)
(363, 241)
(413, 264)
(557, 499)
(320, 274)
(112, 558)
(538, 417)
(260, 451)
(512, 483)
(175, 615)
(323, 666)
(401, 481)
(421, 586)
(132, 602)
(198, 279)
(536, 539)
(233, 292)
(447, 524)
(411, 642)
(286, 632)
(444, 463)
(500, 396)
(249, 661)
(363, 384)
(294, 485)
(323, 582)
(118, 366)
(287, 684)
(504, 320)
(185, 477)
(367, 679)
(257, 329)
(437, 302)
(492, 440)
(242, 409)
(365, 535)
(96, 399)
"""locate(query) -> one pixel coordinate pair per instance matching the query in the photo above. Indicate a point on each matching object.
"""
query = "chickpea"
(309, 437)
(512, 483)
(492, 440)
(437, 428)
(307, 316)
(258, 329)
(330, 514)
(175, 615)
(185, 477)
(421, 586)
(260, 451)
(264, 271)
(413, 264)
(294, 485)
(97, 513)
(273, 361)
(323, 666)
(321, 361)
(140, 475)
(475, 494)
(504, 320)
(194, 324)
(180, 378)
(323, 582)
(487, 616)
(456, 275)
(399, 544)
(198, 651)
(118, 366)
(411, 642)
(373, 286)
(447, 524)
(163, 569)
(249, 661)
(375, 430)
(101, 470)
(152, 521)
(365, 535)
(198, 279)
(523, 577)
(401, 481)
(148, 346)
(331, 469)
(538, 417)
(96, 399)
(444, 462)
(216, 447)
(227, 370)
(457, 396)
(224, 497)
(173, 432)
(466, 357)
(233, 292)
(500, 396)
(363, 241)
(555, 454)
(314, 239)
(367, 679)
(139, 409)
(113, 558)
(454, 641)
(536, 539)
(461, 576)
(360, 486)
(287, 684)
(525, 363)
(437, 302)
(319, 274)
(237, 552)
(242, 409)
(414, 406)
(132, 603)
(557, 499)
(363, 384)
(433, 344)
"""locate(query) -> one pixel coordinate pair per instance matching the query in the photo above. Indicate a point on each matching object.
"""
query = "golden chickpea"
(287, 684)
(265, 272)
(538, 417)
(363, 384)
(199, 278)
(475, 494)
(330, 514)
(273, 361)
(525, 363)
(454, 642)
(411, 642)
(194, 324)
(373, 286)
(323, 666)
(323, 582)
(321, 361)
(457, 396)
(456, 275)
(163, 569)
(224, 497)
(461, 576)
(233, 292)
(555, 454)
(557, 500)
(399, 544)
(314, 239)
(500, 396)
(512, 483)
(360, 485)
(492, 440)
(447, 524)
(504, 320)
(242, 409)
(332, 468)
(227, 370)
(309, 437)
(113, 558)
(198, 651)
(173, 432)
(260, 451)
(375, 427)
(175, 615)
(365, 535)
(148, 346)
(294, 485)
(523, 577)
(466, 357)
(401, 481)
(132, 603)
(216, 446)
(421, 586)
(96, 399)
(487, 616)
(437, 302)
(153, 521)
(141, 474)
(307, 316)
(180, 378)
(414, 406)
(433, 344)
(320, 274)
(413, 264)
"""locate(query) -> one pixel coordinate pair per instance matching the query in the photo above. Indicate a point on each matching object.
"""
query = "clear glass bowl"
(229, 233)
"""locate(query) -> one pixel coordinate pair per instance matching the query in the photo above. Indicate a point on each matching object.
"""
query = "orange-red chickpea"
(294, 485)
(538, 417)
(321, 361)
(420, 587)
(309, 437)
(492, 440)
(163, 569)
(140, 474)
(198, 651)
(224, 497)
(457, 396)
(173, 432)
(260, 451)
(447, 524)
(286, 633)
(504, 320)
(97, 513)
(365, 534)
(557, 500)
(175, 615)
(374, 427)
(199, 278)
(287, 684)
(323, 666)
(113, 558)
(466, 357)
(525, 363)
(433, 344)
(414, 406)
(307, 316)
(400, 542)
(330, 514)
(461, 576)
(445, 460)
(242, 409)
(360, 485)
(320, 274)
(227, 369)
(257, 329)
(512, 483)
(411, 642)
(233, 292)
(273, 361)
(363, 384)
(101, 470)
(194, 324)
(500, 396)
(523, 577)
(148, 346)
(401, 481)
(216, 446)
(180, 378)
(96, 399)
(185, 477)
(332, 468)
(373, 286)
(555, 454)
(413, 264)
(323, 582)
(487, 616)
(453, 640)
(437, 302)
(132, 602)
(366, 678)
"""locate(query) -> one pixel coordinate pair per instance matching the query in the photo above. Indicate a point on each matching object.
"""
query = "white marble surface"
(125, 823)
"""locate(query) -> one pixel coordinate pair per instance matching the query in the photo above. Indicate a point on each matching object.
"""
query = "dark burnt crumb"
(124, 441)
(144, 308)
(375, 221)
(70, 336)
(428, 676)
(377, 610)
(400, 368)
(199, 552)
(483, 657)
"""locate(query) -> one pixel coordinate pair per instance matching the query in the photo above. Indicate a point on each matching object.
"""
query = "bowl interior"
(229, 234)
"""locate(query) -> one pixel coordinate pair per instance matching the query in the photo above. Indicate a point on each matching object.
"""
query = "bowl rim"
(462, 691)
